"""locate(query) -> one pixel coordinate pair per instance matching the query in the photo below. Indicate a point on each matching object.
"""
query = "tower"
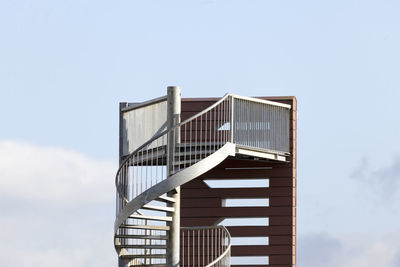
(186, 162)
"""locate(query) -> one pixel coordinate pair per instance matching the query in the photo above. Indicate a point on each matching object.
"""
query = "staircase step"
(147, 256)
(147, 227)
(143, 246)
(132, 236)
(165, 199)
(149, 265)
(153, 218)
(158, 208)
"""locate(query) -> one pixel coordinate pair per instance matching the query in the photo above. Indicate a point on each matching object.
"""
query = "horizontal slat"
(261, 250)
(237, 192)
(201, 203)
(247, 173)
(236, 212)
(242, 231)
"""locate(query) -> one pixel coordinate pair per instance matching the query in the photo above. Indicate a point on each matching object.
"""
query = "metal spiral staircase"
(149, 178)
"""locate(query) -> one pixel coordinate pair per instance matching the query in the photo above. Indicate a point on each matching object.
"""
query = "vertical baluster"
(183, 248)
(201, 137)
(185, 144)
(198, 247)
(193, 248)
(203, 247)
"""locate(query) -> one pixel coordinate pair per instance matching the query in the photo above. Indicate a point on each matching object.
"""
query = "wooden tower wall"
(202, 205)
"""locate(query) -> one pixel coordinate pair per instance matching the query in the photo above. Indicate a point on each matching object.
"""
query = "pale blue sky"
(65, 65)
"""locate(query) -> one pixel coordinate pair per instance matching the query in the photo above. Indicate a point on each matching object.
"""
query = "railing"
(197, 138)
(205, 246)
(261, 124)
(253, 123)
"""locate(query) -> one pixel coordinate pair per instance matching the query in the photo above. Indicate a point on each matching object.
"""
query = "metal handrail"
(173, 128)
(167, 131)
(223, 248)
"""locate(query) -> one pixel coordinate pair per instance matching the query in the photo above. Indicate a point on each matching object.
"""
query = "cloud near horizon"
(57, 207)
(316, 250)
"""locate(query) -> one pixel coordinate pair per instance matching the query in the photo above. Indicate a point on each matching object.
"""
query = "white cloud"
(383, 181)
(53, 174)
(57, 207)
(349, 251)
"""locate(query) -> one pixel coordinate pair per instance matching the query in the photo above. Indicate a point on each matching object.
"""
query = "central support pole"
(173, 118)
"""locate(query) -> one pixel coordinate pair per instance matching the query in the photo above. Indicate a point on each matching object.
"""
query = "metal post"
(173, 118)
(121, 262)
(232, 129)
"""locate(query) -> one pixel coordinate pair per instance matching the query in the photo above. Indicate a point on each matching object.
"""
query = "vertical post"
(122, 105)
(173, 118)
(232, 129)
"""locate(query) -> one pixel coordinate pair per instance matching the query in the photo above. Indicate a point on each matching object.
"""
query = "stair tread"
(153, 218)
(148, 227)
(159, 208)
(133, 256)
(165, 199)
(142, 246)
(131, 236)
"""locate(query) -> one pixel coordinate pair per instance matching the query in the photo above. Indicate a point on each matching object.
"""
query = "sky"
(65, 66)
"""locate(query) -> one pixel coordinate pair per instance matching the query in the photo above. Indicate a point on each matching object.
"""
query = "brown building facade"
(202, 204)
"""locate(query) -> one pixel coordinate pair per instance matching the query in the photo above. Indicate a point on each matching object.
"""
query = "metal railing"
(198, 137)
(205, 246)
(244, 121)
(261, 124)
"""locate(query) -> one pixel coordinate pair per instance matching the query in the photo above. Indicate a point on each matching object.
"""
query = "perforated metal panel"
(142, 123)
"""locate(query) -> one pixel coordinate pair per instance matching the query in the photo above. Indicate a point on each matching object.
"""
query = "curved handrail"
(227, 250)
(226, 246)
(174, 181)
(154, 138)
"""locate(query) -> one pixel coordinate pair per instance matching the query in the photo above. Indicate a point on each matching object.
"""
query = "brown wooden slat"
(201, 203)
(280, 240)
(236, 212)
(237, 192)
(280, 220)
(190, 221)
(246, 173)
(243, 231)
(273, 182)
(280, 259)
(261, 250)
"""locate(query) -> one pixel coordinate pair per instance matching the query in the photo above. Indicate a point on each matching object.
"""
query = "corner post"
(232, 118)
(173, 118)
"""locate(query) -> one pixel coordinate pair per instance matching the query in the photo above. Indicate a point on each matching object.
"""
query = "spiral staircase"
(149, 178)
